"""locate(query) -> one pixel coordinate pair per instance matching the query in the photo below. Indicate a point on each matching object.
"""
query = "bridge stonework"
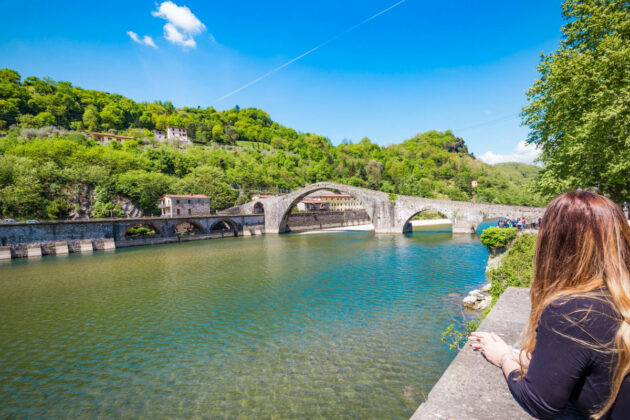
(116, 229)
(387, 216)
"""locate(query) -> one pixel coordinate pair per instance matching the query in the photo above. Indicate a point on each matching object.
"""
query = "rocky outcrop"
(128, 206)
(477, 299)
(494, 261)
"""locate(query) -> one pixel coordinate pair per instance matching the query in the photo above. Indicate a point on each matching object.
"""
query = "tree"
(112, 116)
(44, 119)
(90, 118)
(579, 109)
(211, 182)
(58, 209)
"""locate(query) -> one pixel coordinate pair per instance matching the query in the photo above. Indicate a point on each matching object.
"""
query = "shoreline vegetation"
(50, 168)
(514, 266)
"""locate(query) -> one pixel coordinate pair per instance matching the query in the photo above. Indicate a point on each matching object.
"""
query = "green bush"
(496, 237)
(457, 338)
(140, 231)
(58, 209)
(516, 267)
(109, 209)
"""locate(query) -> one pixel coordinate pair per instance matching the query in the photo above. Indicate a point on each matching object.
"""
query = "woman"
(577, 340)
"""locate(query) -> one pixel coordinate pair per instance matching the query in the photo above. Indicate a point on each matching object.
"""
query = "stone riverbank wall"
(62, 237)
(300, 222)
(472, 388)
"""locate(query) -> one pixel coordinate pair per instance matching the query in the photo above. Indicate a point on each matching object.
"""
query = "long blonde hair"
(584, 245)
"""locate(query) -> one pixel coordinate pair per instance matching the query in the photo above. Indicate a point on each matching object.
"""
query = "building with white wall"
(172, 133)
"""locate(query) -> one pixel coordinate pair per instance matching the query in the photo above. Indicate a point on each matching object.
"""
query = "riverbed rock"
(486, 288)
(470, 301)
(477, 300)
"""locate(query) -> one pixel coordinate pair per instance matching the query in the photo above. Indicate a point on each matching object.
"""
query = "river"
(334, 325)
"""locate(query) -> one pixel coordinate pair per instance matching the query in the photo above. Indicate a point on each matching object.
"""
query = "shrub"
(140, 231)
(107, 209)
(58, 209)
(496, 237)
(516, 267)
(457, 338)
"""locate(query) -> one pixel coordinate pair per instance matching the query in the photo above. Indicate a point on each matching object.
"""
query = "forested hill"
(49, 168)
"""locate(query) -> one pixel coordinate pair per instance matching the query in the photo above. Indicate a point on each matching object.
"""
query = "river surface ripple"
(343, 325)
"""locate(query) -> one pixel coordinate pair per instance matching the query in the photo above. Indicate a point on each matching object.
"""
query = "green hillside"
(50, 168)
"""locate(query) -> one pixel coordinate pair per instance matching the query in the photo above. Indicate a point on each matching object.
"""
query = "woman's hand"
(493, 348)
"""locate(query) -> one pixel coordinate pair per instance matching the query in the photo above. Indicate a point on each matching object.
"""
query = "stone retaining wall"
(300, 222)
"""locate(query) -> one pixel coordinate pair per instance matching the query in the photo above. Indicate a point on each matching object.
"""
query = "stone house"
(175, 205)
(172, 133)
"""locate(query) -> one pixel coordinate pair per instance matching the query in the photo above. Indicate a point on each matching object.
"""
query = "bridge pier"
(464, 226)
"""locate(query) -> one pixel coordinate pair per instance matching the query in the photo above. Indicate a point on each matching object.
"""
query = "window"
(177, 203)
(178, 212)
(189, 212)
(188, 201)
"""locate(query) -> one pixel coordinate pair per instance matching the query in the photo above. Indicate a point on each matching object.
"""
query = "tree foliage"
(236, 152)
(579, 109)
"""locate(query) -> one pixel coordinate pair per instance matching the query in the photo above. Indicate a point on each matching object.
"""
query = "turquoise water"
(292, 326)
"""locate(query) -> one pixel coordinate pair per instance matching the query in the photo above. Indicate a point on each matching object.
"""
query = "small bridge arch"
(222, 225)
(407, 227)
(197, 227)
(259, 208)
(159, 231)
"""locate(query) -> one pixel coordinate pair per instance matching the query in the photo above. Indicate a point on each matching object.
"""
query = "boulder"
(484, 303)
(470, 301)
(486, 288)
(477, 300)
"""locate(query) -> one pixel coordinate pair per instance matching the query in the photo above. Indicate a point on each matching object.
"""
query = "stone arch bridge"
(387, 215)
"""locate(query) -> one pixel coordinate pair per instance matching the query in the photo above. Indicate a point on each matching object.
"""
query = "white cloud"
(172, 34)
(523, 152)
(181, 24)
(146, 40)
(149, 41)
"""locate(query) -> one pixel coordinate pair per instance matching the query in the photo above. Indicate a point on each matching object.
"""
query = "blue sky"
(422, 65)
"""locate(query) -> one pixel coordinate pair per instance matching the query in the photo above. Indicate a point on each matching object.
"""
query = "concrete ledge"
(86, 245)
(34, 251)
(5, 252)
(472, 388)
(109, 244)
(61, 248)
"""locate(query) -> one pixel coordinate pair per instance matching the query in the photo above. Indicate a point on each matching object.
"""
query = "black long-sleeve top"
(563, 370)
